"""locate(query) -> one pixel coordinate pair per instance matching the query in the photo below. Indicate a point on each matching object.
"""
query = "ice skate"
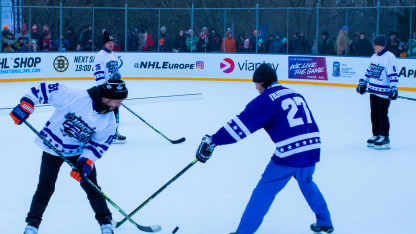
(371, 140)
(107, 229)
(30, 230)
(321, 229)
(382, 143)
(119, 139)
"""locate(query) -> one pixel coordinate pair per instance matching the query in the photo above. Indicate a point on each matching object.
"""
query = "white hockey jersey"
(105, 65)
(74, 128)
(382, 73)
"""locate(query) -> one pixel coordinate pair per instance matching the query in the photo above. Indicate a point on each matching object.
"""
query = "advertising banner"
(309, 68)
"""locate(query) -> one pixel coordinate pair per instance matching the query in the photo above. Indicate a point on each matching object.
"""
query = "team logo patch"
(75, 127)
(60, 63)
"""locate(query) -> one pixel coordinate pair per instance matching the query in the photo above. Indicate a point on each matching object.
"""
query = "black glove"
(205, 149)
(362, 85)
(393, 93)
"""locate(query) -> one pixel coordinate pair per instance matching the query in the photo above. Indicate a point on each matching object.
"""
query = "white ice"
(367, 191)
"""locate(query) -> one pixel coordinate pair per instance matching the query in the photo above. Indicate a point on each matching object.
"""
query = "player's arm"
(99, 67)
(392, 77)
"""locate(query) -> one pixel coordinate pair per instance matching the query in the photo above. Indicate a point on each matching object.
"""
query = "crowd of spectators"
(205, 41)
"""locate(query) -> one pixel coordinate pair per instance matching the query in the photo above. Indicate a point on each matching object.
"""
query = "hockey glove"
(393, 93)
(85, 166)
(22, 111)
(362, 85)
(205, 149)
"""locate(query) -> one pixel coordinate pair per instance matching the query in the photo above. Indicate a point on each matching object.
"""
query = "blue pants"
(274, 178)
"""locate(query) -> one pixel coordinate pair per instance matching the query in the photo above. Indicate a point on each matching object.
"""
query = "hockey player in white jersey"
(285, 116)
(82, 128)
(382, 79)
(106, 67)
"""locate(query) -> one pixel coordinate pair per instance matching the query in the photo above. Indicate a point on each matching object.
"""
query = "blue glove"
(393, 93)
(85, 166)
(205, 149)
(362, 85)
(22, 111)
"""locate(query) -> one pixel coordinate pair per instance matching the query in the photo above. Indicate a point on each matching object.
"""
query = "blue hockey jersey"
(287, 119)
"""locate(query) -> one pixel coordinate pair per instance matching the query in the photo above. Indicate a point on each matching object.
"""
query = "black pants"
(379, 115)
(48, 174)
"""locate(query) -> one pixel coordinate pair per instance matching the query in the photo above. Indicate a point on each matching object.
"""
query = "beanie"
(264, 74)
(380, 40)
(107, 37)
(114, 89)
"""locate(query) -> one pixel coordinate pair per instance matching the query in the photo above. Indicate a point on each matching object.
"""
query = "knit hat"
(380, 40)
(264, 74)
(34, 27)
(5, 27)
(107, 37)
(114, 89)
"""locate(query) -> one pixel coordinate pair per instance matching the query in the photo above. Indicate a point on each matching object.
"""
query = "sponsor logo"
(19, 65)
(60, 63)
(336, 69)
(310, 68)
(227, 65)
(407, 72)
(119, 61)
(165, 65)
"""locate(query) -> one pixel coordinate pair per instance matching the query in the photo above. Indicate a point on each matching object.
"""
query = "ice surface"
(367, 191)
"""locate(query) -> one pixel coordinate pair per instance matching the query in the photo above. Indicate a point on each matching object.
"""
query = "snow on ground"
(367, 191)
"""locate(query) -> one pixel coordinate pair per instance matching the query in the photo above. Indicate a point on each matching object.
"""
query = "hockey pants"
(274, 179)
(48, 174)
(379, 115)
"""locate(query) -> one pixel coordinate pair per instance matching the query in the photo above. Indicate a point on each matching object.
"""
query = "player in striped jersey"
(286, 117)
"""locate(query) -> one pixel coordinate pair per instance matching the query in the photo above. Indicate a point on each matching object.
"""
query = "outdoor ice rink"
(367, 191)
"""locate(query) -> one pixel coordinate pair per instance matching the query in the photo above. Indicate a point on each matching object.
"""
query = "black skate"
(119, 139)
(382, 143)
(371, 140)
(320, 229)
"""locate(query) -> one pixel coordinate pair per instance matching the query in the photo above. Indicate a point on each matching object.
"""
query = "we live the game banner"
(297, 69)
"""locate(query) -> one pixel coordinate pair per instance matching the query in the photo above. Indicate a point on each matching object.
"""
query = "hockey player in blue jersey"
(381, 77)
(105, 68)
(286, 117)
(81, 128)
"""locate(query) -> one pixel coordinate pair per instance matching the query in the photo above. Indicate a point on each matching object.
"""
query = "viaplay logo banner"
(308, 68)
(227, 65)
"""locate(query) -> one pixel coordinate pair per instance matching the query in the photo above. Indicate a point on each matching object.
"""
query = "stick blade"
(178, 141)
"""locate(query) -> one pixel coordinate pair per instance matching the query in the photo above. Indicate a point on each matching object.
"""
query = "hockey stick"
(154, 228)
(118, 224)
(407, 98)
(128, 99)
(144, 121)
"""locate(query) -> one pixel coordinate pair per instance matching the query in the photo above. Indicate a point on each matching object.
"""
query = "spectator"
(22, 45)
(240, 42)
(165, 44)
(276, 45)
(342, 40)
(412, 46)
(203, 42)
(64, 44)
(133, 40)
(117, 45)
(47, 43)
(191, 41)
(46, 31)
(364, 46)
(326, 47)
(402, 50)
(303, 44)
(145, 41)
(24, 35)
(314, 48)
(9, 42)
(284, 43)
(260, 47)
(34, 46)
(78, 47)
(354, 44)
(36, 36)
(180, 42)
(5, 31)
(214, 41)
(293, 43)
(393, 44)
(70, 36)
(247, 47)
(256, 34)
(269, 42)
(228, 43)
(86, 38)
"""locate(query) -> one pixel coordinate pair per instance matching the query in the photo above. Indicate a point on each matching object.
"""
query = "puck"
(175, 230)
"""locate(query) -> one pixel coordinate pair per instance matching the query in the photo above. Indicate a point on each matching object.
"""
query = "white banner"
(326, 70)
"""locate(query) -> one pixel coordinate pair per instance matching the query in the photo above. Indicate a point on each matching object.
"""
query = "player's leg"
(274, 178)
(118, 138)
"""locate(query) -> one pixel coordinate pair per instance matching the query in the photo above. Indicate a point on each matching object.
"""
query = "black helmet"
(265, 74)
